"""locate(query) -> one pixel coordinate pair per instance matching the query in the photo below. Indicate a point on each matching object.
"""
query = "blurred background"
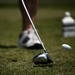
(67, 3)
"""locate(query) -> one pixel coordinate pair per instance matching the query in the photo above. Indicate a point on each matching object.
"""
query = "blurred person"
(68, 25)
(28, 38)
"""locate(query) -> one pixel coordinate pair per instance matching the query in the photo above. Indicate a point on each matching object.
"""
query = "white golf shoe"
(28, 39)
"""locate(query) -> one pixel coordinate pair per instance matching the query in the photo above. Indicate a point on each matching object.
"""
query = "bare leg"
(28, 38)
(32, 6)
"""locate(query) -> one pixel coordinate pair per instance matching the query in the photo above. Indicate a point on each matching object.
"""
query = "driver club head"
(42, 58)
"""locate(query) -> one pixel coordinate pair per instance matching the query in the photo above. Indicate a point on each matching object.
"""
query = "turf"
(17, 61)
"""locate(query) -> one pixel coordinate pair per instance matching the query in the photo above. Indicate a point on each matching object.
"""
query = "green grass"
(15, 61)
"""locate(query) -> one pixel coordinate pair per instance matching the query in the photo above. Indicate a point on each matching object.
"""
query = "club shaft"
(33, 25)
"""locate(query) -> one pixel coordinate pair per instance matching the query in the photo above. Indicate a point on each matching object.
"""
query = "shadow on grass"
(43, 65)
(35, 47)
(6, 47)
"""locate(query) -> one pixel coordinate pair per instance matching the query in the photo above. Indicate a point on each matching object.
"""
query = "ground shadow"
(7, 46)
(42, 65)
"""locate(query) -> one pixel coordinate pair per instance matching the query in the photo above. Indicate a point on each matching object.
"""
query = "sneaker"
(28, 39)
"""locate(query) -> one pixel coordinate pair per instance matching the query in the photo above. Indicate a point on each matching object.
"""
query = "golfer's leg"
(32, 6)
(28, 38)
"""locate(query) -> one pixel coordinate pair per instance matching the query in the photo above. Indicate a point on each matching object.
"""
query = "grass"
(15, 61)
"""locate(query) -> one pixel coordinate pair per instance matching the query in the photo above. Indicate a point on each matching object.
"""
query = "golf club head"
(42, 58)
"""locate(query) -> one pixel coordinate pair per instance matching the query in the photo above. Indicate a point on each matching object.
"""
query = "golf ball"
(66, 46)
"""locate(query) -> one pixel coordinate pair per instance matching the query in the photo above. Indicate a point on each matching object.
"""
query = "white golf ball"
(66, 46)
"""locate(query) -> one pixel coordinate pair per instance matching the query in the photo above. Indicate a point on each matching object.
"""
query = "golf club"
(42, 58)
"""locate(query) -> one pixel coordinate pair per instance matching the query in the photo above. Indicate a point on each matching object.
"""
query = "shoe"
(28, 39)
